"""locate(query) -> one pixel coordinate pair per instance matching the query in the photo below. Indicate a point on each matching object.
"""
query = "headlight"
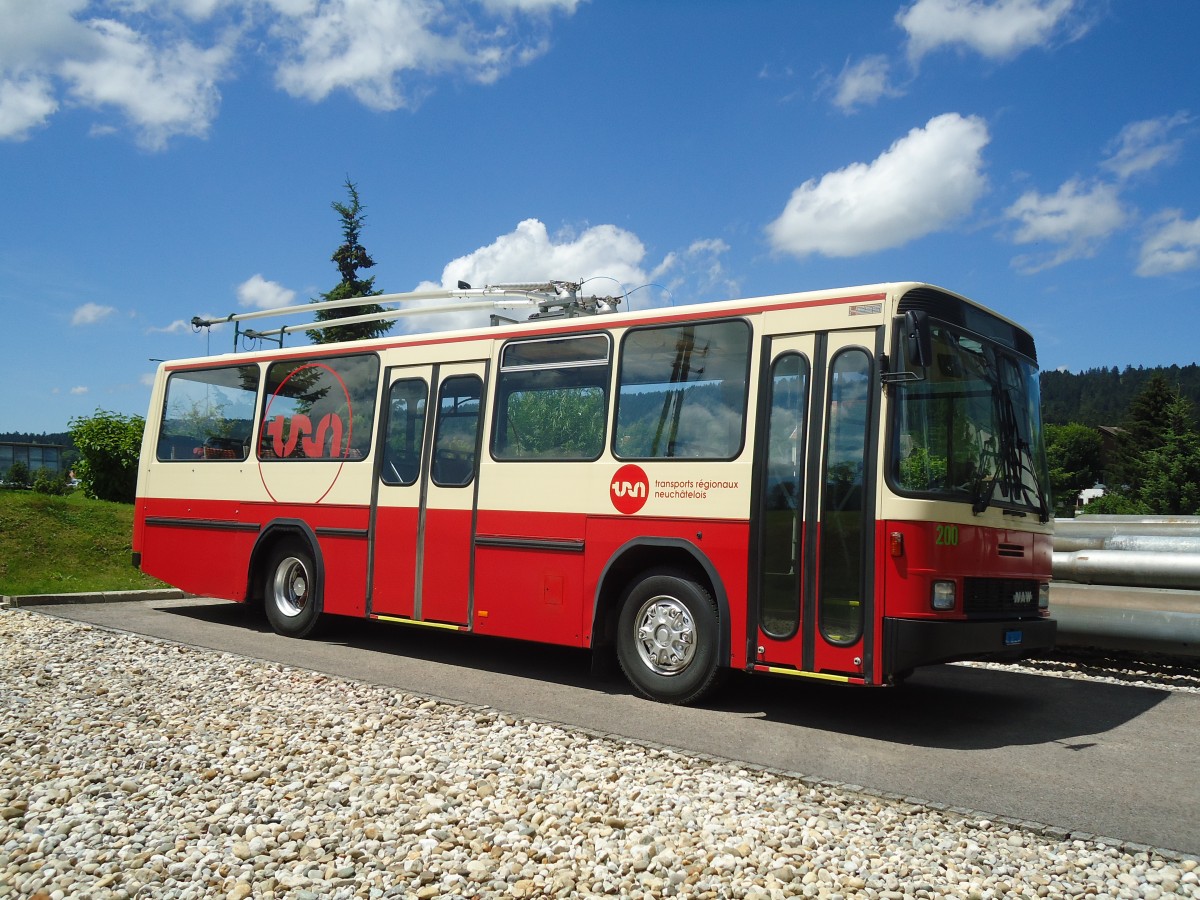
(943, 595)
(1044, 595)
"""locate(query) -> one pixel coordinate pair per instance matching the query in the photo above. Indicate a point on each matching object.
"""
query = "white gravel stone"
(133, 767)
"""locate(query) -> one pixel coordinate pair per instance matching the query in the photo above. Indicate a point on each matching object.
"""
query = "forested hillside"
(1102, 396)
(25, 437)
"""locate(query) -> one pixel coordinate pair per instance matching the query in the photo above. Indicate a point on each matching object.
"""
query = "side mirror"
(918, 342)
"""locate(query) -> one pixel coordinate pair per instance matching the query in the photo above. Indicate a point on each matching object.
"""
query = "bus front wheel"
(291, 592)
(667, 638)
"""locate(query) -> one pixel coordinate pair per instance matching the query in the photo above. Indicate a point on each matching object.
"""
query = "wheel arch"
(272, 535)
(641, 555)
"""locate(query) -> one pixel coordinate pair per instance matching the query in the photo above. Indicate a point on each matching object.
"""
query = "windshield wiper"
(981, 494)
(1011, 458)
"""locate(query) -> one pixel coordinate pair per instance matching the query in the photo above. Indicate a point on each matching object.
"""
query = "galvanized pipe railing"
(1128, 582)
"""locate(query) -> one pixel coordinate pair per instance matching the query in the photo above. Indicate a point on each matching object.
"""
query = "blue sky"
(163, 159)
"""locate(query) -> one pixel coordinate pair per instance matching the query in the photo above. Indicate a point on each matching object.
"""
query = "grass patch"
(56, 545)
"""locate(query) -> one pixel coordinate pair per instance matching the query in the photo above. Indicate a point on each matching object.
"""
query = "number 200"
(947, 536)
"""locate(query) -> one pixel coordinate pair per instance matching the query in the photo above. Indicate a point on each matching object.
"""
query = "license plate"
(1012, 638)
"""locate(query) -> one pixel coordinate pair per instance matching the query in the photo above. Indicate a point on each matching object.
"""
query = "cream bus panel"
(613, 488)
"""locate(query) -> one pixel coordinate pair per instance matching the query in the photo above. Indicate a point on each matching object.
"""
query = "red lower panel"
(532, 594)
(394, 577)
(204, 546)
(207, 562)
(446, 575)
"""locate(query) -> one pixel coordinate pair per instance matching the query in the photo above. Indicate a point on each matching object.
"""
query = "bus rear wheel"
(291, 592)
(667, 638)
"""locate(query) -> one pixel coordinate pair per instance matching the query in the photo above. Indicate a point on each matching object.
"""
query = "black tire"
(292, 590)
(667, 637)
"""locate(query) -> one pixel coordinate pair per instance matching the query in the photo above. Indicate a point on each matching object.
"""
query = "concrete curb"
(91, 597)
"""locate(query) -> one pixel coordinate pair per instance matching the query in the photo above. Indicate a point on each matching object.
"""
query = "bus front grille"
(1000, 597)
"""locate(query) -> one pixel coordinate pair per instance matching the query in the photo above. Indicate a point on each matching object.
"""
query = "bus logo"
(301, 431)
(629, 489)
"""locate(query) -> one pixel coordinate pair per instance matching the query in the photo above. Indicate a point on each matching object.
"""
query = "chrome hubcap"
(666, 635)
(291, 587)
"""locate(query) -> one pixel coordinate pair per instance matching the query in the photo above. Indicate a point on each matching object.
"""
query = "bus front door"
(816, 504)
(424, 510)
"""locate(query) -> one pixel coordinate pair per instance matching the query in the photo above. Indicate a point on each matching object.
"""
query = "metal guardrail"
(1128, 583)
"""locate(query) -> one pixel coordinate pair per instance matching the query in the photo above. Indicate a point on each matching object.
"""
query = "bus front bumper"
(908, 643)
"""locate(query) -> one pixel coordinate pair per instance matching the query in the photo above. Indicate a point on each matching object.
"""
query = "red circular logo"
(629, 489)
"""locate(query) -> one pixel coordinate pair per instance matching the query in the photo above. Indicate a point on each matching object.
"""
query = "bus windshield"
(971, 429)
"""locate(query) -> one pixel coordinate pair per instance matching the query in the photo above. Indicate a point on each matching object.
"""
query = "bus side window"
(457, 432)
(783, 494)
(552, 399)
(683, 391)
(208, 414)
(405, 431)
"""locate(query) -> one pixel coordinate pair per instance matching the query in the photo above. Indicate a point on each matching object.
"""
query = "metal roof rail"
(549, 300)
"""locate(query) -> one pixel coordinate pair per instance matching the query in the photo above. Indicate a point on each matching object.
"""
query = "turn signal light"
(896, 540)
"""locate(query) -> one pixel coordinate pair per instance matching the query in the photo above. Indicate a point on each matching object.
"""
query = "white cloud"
(998, 30)
(37, 32)
(607, 255)
(531, 6)
(1173, 246)
(79, 390)
(158, 64)
(162, 89)
(259, 293)
(529, 253)
(610, 261)
(863, 83)
(696, 273)
(921, 184)
(33, 36)
(179, 326)
(382, 50)
(26, 102)
(1077, 218)
(1144, 145)
(90, 313)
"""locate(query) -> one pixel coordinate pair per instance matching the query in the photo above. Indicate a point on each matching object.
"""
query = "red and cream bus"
(841, 485)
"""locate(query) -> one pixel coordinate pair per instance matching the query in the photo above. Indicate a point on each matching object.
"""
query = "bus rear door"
(424, 513)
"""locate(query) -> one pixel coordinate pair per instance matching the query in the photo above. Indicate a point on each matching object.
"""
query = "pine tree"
(349, 258)
(1171, 471)
(1144, 429)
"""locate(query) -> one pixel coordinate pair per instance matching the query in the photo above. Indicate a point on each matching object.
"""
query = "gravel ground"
(131, 767)
(1165, 673)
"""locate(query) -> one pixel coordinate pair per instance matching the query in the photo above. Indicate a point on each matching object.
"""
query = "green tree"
(1115, 503)
(1144, 428)
(1073, 455)
(17, 475)
(1170, 473)
(350, 258)
(47, 482)
(108, 445)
